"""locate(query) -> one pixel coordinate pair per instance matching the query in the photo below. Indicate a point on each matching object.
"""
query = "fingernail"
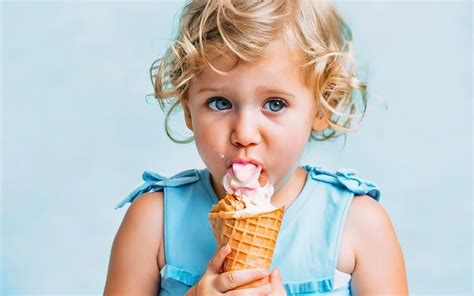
(227, 248)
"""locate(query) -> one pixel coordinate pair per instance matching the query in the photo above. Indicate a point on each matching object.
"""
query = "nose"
(246, 130)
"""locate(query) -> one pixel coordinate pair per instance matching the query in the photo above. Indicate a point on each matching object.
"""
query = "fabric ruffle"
(345, 178)
(156, 182)
(173, 273)
(310, 287)
(180, 275)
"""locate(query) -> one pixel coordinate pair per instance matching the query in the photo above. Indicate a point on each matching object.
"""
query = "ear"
(319, 122)
(187, 114)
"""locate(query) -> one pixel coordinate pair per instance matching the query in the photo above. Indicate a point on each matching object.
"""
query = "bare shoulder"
(379, 265)
(133, 266)
(366, 214)
(369, 225)
(146, 212)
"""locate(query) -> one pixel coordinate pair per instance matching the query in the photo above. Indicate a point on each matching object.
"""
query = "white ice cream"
(241, 180)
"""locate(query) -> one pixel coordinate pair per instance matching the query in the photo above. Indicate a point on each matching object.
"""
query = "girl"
(257, 80)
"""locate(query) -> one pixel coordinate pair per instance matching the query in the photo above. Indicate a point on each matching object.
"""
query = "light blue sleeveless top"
(307, 248)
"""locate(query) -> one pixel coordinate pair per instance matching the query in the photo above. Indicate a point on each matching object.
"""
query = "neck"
(290, 191)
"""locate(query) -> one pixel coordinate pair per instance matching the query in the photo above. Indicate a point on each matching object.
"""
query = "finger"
(236, 278)
(276, 282)
(260, 290)
(216, 262)
(275, 277)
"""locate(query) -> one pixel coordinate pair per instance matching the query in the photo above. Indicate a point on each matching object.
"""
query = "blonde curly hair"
(244, 28)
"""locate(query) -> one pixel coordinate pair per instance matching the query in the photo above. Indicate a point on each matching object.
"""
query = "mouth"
(263, 176)
(242, 160)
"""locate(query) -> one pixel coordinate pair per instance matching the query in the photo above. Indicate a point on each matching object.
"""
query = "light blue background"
(77, 134)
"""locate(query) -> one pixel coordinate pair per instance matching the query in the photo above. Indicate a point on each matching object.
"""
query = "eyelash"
(279, 100)
(274, 99)
(214, 100)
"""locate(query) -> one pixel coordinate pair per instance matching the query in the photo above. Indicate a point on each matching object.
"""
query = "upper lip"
(245, 160)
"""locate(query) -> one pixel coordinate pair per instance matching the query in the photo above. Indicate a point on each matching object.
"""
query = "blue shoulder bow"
(156, 182)
(346, 178)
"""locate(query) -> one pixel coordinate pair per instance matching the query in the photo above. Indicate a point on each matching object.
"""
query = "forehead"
(279, 66)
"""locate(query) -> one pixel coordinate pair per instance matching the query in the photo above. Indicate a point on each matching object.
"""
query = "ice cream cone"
(251, 237)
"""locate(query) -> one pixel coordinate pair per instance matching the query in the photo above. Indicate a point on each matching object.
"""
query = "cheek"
(205, 142)
(290, 149)
(210, 143)
(294, 134)
(287, 145)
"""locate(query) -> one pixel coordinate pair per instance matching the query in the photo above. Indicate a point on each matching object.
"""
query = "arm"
(379, 266)
(133, 267)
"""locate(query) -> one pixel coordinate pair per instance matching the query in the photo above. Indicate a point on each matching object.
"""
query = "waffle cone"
(251, 237)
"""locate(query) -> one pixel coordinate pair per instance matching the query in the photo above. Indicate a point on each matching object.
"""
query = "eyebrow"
(209, 88)
(273, 90)
(260, 90)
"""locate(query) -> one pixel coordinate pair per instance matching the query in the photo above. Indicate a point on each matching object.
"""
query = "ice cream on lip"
(242, 184)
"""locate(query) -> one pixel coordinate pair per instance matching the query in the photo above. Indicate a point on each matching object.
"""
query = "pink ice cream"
(242, 181)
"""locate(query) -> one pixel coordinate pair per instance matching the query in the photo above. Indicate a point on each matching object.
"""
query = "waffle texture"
(251, 237)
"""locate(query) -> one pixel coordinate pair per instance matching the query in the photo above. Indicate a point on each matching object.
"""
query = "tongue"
(246, 172)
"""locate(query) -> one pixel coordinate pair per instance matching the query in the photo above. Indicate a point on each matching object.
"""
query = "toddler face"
(258, 112)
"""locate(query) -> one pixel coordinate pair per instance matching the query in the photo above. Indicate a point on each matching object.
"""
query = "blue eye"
(219, 104)
(275, 105)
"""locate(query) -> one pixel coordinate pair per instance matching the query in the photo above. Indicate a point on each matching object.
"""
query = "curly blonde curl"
(244, 28)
